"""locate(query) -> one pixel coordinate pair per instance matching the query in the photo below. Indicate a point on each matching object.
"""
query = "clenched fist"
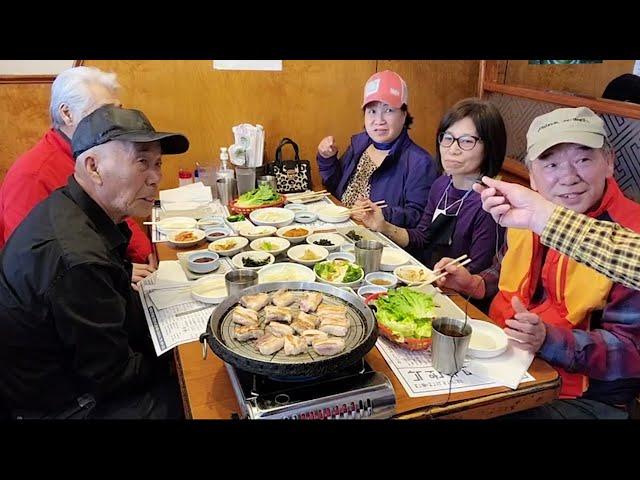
(327, 147)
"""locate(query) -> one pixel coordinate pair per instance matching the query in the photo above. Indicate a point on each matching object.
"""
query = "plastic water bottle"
(224, 171)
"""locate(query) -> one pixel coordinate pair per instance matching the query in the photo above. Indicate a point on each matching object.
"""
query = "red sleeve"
(20, 196)
(139, 245)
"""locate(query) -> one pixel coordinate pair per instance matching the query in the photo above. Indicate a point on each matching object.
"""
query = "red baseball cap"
(387, 87)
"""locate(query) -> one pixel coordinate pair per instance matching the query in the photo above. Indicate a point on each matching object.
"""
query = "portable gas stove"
(355, 393)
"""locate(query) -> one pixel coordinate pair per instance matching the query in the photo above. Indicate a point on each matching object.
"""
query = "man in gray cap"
(73, 337)
(575, 318)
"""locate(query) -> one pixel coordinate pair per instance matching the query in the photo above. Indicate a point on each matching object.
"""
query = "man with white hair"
(73, 337)
(75, 93)
(581, 322)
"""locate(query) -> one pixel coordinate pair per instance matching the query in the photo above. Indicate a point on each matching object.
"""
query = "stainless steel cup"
(237, 280)
(227, 190)
(268, 180)
(368, 255)
(449, 344)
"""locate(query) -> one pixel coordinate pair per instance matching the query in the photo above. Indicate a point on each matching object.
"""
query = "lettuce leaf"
(406, 312)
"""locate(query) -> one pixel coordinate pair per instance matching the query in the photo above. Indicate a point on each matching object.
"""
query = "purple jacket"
(474, 234)
(403, 179)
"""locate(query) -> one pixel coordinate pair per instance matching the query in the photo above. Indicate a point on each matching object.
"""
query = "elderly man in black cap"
(73, 338)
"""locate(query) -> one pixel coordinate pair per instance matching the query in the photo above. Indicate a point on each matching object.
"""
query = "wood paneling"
(306, 101)
(24, 117)
(585, 79)
(434, 86)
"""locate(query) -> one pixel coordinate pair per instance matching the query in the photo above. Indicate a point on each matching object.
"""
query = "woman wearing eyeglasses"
(471, 142)
(381, 163)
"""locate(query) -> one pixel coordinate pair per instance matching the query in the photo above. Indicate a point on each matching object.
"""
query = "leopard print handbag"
(292, 176)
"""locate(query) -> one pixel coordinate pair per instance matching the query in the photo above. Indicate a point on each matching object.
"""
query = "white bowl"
(426, 274)
(258, 256)
(171, 224)
(334, 238)
(206, 223)
(252, 232)
(349, 257)
(306, 217)
(226, 232)
(296, 207)
(337, 284)
(487, 340)
(389, 279)
(210, 289)
(366, 290)
(195, 237)
(348, 248)
(286, 272)
(333, 214)
(203, 267)
(297, 239)
(392, 258)
(296, 253)
(279, 245)
(275, 217)
(237, 226)
(240, 243)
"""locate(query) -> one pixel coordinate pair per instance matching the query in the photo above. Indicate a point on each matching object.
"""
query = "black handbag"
(292, 176)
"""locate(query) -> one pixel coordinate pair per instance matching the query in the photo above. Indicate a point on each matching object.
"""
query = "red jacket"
(37, 173)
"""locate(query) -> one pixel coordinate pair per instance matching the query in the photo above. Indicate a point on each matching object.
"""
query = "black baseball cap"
(113, 123)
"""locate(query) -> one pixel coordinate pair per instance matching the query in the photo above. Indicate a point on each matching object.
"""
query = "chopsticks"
(305, 195)
(445, 273)
(380, 203)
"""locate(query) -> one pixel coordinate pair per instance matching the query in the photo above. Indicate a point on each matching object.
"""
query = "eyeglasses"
(465, 142)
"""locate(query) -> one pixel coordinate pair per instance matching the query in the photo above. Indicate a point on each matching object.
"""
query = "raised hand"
(327, 147)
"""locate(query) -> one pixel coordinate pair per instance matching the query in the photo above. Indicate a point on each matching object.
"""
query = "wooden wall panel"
(585, 79)
(24, 117)
(434, 86)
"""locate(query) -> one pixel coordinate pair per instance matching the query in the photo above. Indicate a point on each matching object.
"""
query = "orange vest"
(572, 291)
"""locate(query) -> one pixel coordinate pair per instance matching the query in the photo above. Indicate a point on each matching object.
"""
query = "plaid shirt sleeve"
(606, 247)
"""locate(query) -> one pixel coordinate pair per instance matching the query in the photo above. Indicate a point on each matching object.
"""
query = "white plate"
(392, 258)
(286, 272)
(280, 244)
(295, 254)
(333, 214)
(198, 235)
(237, 259)
(275, 217)
(171, 224)
(334, 238)
(487, 340)
(428, 274)
(338, 284)
(252, 232)
(210, 288)
(241, 242)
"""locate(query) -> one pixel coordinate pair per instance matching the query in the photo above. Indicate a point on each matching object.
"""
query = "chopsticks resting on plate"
(304, 195)
(380, 203)
(452, 262)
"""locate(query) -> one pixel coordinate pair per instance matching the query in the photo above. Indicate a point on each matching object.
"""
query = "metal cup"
(227, 190)
(268, 180)
(449, 344)
(368, 255)
(237, 280)
(246, 177)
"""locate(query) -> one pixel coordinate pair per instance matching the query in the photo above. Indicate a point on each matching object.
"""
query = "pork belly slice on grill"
(301, 325)
(255, 302)
(311, 335)
(333, 310)
(247, 332)
(283, 298)
(309, 318)
(279, 329)
(244, 316)
(277, 314)
(310, 301)
(269, 344)
(334, 326)
(328, 346)
(294, 345)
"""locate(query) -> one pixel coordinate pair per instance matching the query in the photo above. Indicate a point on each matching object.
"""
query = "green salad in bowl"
(339, 272)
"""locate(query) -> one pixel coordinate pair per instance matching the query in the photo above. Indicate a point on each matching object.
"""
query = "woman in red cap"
(381, 163)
